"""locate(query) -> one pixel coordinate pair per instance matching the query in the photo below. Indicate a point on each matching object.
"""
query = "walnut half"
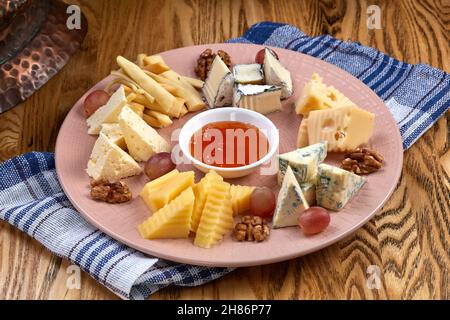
(362, 161)
(251, 228)
(115, 192)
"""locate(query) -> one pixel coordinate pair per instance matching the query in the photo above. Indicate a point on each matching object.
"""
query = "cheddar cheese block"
(302, 137)
(142, 140)
(240, 198)
(217, 216)
(109, 162)
(172, 221)
(108, 113)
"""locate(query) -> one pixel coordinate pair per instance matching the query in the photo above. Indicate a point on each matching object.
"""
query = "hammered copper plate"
(119, 221)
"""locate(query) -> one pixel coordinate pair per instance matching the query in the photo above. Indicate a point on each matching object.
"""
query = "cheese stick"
(125, 80)
(155, 64)
(195, 102)
(169, 88)
(163, 119)
(140, 59)
(196, 83)
(162, 96)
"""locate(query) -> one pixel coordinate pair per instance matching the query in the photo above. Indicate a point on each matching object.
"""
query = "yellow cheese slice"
(302, 138)
(172, 221)
(344, 128)
(162, 192)
(157, 183)
(240, 198)
(217, 216)
(201, 190)
(142, 140)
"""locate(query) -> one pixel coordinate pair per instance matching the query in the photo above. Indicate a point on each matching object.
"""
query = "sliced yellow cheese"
(201, 190)
(109, 162)
(302, 137)
(167, 190)
(113, 132)
(240, 198)
(217, 216)
(344, 128)
(142, 140)
(107, 113)
(157, 183)
(316, 95)
(172, 221)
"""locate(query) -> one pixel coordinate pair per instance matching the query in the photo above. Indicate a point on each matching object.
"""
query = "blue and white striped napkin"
(32, 200)
(417, 95)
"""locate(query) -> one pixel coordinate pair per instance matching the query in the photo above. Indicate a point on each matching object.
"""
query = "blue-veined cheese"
(107, 113)
(290, 202)
(309, 191)
(335, 186)
(109, 162)
(276, 74)
(303, 161)
(260, 98)
(142, 140)
(218, 86)
(248, 73)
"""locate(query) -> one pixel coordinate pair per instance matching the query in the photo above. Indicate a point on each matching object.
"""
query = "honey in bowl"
(229, 144)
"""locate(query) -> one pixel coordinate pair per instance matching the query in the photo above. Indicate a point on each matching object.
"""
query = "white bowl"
(229, 114)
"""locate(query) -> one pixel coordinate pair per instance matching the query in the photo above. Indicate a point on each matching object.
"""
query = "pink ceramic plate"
(74, 146)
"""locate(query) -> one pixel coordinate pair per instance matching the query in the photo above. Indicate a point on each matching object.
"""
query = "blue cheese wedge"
(290, 203)
(107, 113)
(109, 162)
(276, 74)
(335, 186)
(142, 140)
(248, 73)
(309, 191)
(303, 162)
(218, 86)
(260, 98)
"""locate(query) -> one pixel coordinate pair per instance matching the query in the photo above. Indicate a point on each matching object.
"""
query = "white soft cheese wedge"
(345, 128)
(107, 113)
(109, 162)
(248, 73)
(276, 74)
(303, 162)
(113, 132)
(260, 98)
(290, 203)
(218, 86)
(142, 140)
(335, 186)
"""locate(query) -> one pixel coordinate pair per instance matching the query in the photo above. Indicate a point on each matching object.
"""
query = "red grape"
(262, 202)
(158, 165)
(314, 220)
(260, 56)
(95, 100)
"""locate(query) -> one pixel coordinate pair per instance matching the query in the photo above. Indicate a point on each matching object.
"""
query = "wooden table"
(409, 239)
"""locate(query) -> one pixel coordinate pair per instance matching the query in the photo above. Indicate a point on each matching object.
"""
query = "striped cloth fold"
(32, 200)
(417, 95)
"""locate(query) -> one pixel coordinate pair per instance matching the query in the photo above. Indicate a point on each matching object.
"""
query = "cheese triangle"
(109, 162)
(107, 113)
(290, 203)
(218, 87)
(142, 140)
(276, 74)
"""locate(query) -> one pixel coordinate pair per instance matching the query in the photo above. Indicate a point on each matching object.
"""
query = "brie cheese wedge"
(290, 203)
(109, 162)
(107, 113)
(260, 98)
(276, 74)
(218, 86)
(142, 140)
(248, 73)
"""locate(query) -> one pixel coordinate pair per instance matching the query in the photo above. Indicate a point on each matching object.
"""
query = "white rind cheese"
(248, 73)
(113, 132)
(290, 203)
(109, 162)
(335, 186)
(107, 113)
(276, 74)
(260, 98)
(303, 162)
(142, 140)
(345, 128)
(218, 86)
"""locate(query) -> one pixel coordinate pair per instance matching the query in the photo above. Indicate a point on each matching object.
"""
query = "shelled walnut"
(116, 192)
(205, 60)
(251, 228)
(362, 161)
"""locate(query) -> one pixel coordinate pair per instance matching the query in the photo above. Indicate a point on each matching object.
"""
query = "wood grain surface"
(408, 240)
